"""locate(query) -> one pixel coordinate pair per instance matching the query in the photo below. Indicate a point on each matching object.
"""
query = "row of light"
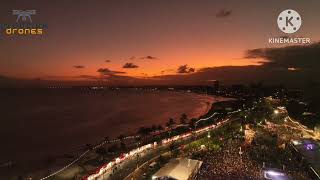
(77, 159)
(65, 167)
(104, 168)
(186, 135)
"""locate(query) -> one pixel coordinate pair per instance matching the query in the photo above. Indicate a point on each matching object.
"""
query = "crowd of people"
(248, 162)
(277, 154)
(229, 164)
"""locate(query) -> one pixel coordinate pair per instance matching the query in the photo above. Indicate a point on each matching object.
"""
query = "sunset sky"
(143, 38)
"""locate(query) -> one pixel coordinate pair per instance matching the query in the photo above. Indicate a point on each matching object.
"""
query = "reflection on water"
(39, 123)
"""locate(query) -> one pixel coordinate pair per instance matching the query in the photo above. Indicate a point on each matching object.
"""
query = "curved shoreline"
(208, 109)
(65, 121)
(102, 170)
(208, 114)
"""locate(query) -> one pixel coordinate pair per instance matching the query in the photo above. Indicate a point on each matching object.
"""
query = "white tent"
(180, 169)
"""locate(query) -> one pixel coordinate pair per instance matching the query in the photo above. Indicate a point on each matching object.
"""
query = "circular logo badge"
(289, 21)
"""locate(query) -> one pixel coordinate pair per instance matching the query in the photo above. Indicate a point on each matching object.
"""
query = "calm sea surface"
(39, 123)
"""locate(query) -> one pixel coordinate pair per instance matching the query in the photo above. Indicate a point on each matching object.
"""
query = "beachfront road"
(129, 165)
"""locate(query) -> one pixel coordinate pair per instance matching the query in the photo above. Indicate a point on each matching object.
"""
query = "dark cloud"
(223, 13)
(184, 69)
(235, 75)
(107, 61)
(149, 57)
(108, 72)
(130, 65)
(295, 66)
(79, 67)
(299, 56)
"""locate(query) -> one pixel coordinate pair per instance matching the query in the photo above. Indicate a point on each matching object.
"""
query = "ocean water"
(36, 124)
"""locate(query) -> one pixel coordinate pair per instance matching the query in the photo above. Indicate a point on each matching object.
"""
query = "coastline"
(68, 156)
(210, 112)
(102, 169)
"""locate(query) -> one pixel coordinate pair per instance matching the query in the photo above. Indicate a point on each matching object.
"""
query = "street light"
(276, 111)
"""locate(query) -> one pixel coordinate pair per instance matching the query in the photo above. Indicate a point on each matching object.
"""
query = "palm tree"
(160, 127)
(192, 123)
(121, 137)
(183, 118)
(144, 131)
(170, 123)
(106, 139)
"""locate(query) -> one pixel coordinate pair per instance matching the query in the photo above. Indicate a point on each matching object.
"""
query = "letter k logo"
(288, 21)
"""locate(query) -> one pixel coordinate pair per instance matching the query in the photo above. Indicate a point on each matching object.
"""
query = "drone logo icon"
(23, 24)
(23, 14)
